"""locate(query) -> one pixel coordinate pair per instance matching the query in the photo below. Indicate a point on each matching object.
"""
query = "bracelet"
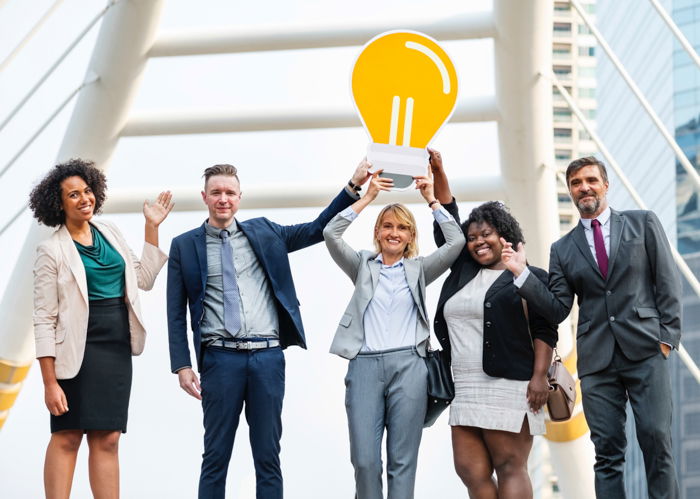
(356, 188)
(434, 201)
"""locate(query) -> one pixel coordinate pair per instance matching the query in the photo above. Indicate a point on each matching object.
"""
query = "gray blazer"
(363, 269)
(638, 305)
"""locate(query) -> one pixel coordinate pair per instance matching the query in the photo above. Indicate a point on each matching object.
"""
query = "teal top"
(104, 268)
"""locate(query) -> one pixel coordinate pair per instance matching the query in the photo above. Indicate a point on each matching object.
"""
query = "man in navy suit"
(235, 277)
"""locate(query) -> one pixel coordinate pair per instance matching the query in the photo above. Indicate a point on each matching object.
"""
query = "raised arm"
(442, 186)
(442, 194)
(441, 259)
(155, 213)
(303, 235)
(343, 255)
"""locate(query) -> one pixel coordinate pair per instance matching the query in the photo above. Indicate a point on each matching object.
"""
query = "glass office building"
(671, 82)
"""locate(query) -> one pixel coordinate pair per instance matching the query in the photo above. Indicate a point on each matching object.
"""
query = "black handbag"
(441, 387)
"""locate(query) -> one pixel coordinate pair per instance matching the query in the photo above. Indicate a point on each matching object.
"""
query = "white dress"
(481, 400)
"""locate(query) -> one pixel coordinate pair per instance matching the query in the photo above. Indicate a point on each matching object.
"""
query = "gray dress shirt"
(258, 313)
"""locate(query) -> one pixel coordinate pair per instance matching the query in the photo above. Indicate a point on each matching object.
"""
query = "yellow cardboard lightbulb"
(405, 88)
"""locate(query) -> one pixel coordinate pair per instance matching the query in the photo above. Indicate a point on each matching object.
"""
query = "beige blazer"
(61, 297)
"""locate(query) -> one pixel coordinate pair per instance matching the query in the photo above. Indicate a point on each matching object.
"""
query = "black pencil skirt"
(98, 397)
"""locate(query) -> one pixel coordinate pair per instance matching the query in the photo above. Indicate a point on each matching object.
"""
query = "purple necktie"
(600, 254)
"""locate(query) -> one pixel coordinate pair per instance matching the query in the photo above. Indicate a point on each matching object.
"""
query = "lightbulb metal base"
(401, 163)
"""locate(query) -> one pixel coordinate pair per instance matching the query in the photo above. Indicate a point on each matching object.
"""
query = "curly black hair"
(496, 214)
(45, 199)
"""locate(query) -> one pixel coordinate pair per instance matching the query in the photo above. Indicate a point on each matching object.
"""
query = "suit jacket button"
(612, 318)
(487, 304)
(608, 292)
(488, 323)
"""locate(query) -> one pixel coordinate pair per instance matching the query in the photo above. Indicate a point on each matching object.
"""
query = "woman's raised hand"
(158, 210)
(377, 184)
(514, 260)
(425, 185)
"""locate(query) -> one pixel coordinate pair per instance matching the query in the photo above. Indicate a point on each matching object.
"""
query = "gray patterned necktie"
(232, 300)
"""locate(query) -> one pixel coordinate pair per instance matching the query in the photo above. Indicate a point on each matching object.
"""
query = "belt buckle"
(245, 345)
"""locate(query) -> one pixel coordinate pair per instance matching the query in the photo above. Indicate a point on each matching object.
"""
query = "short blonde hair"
(404, 216)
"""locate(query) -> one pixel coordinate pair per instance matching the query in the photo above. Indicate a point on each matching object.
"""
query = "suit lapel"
(74, 261)
(503, 280)
(412, 268)
(579, 237)
(617, 225)
(374, 268)
(200, 247)
(467, 273)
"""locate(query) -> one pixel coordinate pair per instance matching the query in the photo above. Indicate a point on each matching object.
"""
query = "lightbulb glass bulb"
(404, 86)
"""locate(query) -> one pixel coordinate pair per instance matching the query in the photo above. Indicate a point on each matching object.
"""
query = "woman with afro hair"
(87, 321)
(499, 352)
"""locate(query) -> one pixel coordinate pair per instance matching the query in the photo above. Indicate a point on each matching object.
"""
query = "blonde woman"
(384, 332)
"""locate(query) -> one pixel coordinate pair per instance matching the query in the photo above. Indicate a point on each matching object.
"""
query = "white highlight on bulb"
(436, 60)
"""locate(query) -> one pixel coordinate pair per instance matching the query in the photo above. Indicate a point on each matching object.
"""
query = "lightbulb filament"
(436, 60)
(408, 122)
(393, 130)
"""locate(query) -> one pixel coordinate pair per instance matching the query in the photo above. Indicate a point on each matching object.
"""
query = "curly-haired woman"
(499, 352)
(87, 321)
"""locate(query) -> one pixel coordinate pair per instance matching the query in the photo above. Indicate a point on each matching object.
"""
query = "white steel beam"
(32, 32)
(119, 57)
(265, 38)
(523, 50)
(677, 32)
(55, 65)
(292, 196)
(225, 121)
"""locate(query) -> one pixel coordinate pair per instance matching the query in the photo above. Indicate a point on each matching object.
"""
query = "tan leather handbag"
(562, 391)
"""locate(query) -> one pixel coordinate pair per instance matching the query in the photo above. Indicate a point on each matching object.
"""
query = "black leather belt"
(256, 344)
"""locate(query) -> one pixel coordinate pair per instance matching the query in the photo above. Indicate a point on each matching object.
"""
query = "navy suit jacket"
(271, 242)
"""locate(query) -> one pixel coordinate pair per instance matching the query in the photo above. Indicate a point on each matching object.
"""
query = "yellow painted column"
(12, 375)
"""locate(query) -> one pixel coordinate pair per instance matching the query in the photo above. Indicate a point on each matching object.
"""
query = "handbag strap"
(556, 357)
(527, 322)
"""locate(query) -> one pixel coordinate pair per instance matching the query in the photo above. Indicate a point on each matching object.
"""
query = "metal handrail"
(677, 258)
